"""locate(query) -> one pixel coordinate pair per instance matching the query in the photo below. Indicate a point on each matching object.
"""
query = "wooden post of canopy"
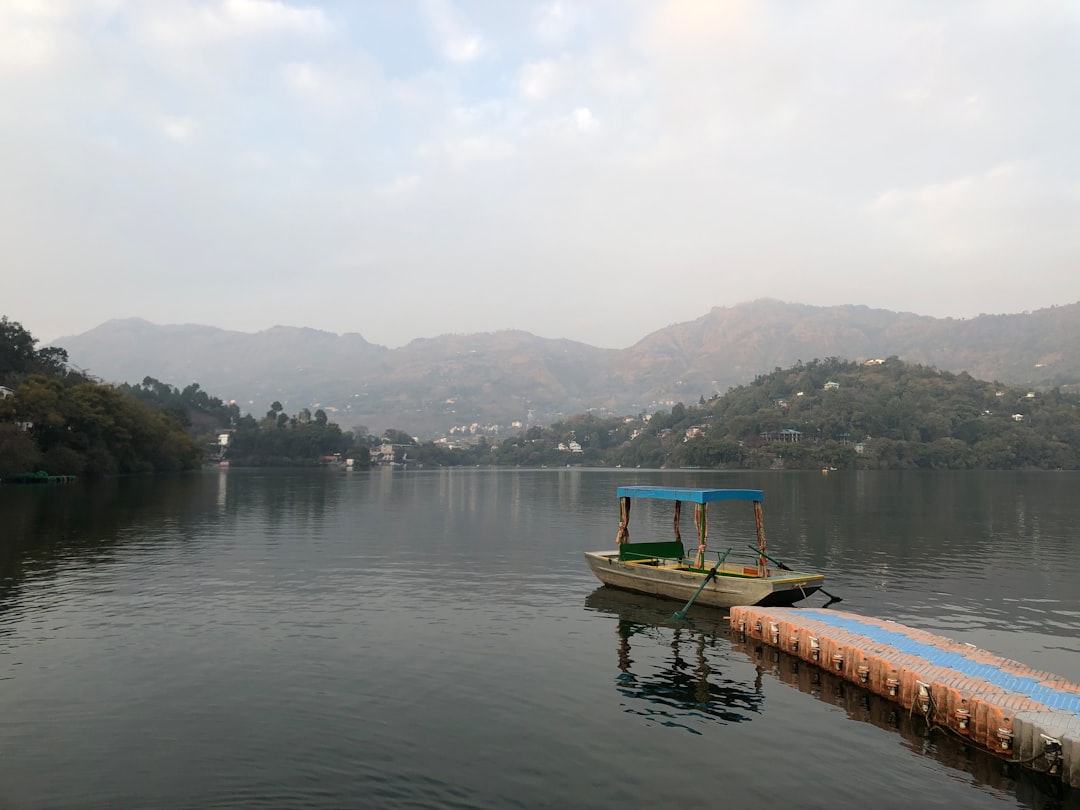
(678, 511)
(624, 522)
(701, 521)
(759, 521)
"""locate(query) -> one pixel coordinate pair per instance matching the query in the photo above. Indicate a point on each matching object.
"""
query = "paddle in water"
(778, 564)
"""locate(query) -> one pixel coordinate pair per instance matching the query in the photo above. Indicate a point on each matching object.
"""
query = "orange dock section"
(1022, 714)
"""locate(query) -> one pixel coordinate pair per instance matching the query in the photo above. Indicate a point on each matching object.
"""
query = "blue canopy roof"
(691, 494)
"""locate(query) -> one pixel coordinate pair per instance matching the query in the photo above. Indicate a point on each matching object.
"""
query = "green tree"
(395, 436)
(361, 456)
(18, 452)
(94, 429)
(18, 357)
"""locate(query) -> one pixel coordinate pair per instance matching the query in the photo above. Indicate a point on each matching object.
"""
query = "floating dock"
(1028, 717)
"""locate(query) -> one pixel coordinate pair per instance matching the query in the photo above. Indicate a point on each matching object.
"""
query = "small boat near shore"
(715, 578)
(39, 477)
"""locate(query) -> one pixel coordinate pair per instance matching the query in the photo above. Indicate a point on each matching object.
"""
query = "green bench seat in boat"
(671, 550)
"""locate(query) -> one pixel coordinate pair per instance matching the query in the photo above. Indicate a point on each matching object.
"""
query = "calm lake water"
(434, 639)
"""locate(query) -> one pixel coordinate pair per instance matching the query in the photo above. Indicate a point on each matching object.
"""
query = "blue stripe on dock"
(1029, 687)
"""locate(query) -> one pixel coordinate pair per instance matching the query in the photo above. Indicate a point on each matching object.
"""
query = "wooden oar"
(778, 564)
(681, 614)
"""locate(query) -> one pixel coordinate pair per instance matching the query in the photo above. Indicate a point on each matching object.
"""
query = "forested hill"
(62, 422)
(833, 413)
(896, 414)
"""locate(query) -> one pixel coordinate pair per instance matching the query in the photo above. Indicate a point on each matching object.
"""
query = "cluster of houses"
(389, 453)
(476, 429)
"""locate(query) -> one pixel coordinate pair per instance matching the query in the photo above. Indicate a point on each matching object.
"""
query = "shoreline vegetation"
(827, 414)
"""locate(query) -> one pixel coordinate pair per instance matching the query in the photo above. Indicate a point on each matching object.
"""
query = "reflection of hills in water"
(684, 685)
(688, 686)
(47, 529)
(45, 524)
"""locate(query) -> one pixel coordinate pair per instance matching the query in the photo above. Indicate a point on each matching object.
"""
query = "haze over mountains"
(432, 384)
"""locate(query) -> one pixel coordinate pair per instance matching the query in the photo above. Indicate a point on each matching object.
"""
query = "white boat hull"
(675, 582)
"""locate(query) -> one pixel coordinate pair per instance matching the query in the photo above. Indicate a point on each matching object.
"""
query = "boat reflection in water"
(686, 688)
(683, 685)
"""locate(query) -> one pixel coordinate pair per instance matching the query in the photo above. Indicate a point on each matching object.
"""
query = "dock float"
(1026, 716)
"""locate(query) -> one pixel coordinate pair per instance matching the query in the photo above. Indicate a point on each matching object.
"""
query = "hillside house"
(387, 453)
(831, 385)
(785, 435)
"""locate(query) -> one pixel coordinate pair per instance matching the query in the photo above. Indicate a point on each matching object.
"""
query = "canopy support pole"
(624, 522)
(759, 521)
(701, 520)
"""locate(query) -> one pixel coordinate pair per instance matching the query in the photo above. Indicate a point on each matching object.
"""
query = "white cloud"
(255, 160)
(611, 73)
(584, 120)
(555, 22)
(273, 15)
(915, 96)
(456, 40)
(303, 77)
(937, 200)
(26, 47)
(688, 28)
(541, 80)
(36, 34)
(178, 129)
(485, 114)
(186, 24)
(400, 190)
(463, 49)
(988, 213)
(59, 11)
(463, 152)
(340, 84)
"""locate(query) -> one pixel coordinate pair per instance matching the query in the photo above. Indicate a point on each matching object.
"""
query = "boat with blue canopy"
(718, 578)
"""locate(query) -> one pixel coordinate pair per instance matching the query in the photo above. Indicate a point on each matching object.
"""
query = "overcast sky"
(585, 170)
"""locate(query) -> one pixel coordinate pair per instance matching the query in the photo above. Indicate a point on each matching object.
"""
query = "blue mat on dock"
(1047, 695)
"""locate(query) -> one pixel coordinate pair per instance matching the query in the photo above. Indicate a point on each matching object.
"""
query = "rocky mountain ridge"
(504, 377)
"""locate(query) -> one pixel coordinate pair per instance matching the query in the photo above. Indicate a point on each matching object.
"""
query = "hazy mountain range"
(496, 378)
